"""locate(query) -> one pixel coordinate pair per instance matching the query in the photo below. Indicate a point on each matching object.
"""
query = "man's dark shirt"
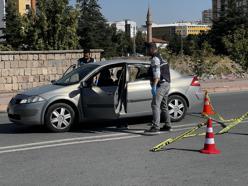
(159, 69)
(84, 60)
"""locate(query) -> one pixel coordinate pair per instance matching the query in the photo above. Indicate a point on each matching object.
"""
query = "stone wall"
(20, 70)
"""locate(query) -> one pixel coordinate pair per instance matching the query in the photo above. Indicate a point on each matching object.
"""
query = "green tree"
(140, 43)
(42, 26)
(69, 29)
(5, 47)
(175, 44)
(30, 35)
(57, 25)
(197, 44)
(13, 31)
(93, 30)
(92, 24)
(191, 44)
(230, 20)
(61, 25)
(237, 46)
(207, 49)
(106, 42)
(123, 43)
(52, 27)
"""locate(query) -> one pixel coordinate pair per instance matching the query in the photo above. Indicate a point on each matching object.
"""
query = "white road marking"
(69, 143)
(186, 125)
(62, 140)
(194, 124)
(181, 129)
(89, 139)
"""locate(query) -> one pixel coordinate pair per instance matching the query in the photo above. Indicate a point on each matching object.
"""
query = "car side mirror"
(53, 81)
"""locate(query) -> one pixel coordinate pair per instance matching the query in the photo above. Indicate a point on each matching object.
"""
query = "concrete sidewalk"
(224, 85)
(212, 86)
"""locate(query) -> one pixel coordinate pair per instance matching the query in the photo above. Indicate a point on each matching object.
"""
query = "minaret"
(149, 25)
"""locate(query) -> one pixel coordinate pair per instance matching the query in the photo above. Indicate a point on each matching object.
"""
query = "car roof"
(174, 73)
(129, 61)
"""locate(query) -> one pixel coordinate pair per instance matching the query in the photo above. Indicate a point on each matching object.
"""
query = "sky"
(163, 11)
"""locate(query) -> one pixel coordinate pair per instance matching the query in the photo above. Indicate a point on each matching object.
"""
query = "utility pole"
(181, 34)
(134, 41)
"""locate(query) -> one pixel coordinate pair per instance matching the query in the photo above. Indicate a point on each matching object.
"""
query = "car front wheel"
(177, 107)
(59, 117)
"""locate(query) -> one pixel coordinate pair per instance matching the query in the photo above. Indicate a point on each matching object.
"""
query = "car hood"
(42, 90)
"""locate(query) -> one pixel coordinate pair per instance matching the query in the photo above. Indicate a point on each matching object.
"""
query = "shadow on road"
(11, 128)
(101, 126)
(237, 133)
(178, 149)
(89, 127)
(112, 126)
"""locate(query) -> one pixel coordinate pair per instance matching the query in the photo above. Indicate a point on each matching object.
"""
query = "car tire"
(177, 107)
(59, 117)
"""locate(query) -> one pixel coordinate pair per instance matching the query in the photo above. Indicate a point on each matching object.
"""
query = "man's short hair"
(151, 46)
(86, 51)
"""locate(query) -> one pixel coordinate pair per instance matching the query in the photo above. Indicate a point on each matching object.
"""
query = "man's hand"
(154, 90)
(96, 81)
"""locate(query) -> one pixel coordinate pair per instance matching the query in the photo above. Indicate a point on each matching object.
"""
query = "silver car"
(104, 90)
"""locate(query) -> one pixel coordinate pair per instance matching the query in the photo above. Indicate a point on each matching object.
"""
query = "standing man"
(86, 59)
(160, 83)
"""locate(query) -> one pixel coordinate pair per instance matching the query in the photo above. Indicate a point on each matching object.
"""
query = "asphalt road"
(99, 154)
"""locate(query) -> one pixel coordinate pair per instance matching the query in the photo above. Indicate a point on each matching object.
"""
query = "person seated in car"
(105, 79)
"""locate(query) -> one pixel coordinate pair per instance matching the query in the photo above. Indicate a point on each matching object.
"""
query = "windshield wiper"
(65, 84)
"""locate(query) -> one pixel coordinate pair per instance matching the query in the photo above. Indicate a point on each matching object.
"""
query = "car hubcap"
(60, 118)
(176, 108)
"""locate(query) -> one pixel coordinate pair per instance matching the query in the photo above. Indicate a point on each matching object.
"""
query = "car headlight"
(32, 99)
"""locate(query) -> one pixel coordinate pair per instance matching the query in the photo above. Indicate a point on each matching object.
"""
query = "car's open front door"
(139, 90)
(101, 94)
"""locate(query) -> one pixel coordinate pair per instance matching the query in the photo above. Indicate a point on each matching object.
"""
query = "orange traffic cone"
(209, 146)
(207, 108)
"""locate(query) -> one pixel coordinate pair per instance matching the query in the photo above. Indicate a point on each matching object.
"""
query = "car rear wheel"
(59, 117)
(177, 107)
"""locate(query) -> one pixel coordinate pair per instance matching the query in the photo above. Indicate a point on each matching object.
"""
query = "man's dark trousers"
(160, 105)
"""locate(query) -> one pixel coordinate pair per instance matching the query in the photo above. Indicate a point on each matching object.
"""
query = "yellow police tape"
(194, 135)
(231, 122)
(189, 132)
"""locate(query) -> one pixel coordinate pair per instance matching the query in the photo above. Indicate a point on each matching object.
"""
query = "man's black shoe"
(152, 130)
(166, 128)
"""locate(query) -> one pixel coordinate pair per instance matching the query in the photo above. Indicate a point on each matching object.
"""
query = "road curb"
(225, 89)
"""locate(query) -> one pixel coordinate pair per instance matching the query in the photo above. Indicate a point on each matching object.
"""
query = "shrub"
(204, 66)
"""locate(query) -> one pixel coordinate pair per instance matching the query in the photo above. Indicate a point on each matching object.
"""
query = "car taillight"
(195, 82)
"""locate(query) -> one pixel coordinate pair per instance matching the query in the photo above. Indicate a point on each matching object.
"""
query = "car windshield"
(76, 75)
